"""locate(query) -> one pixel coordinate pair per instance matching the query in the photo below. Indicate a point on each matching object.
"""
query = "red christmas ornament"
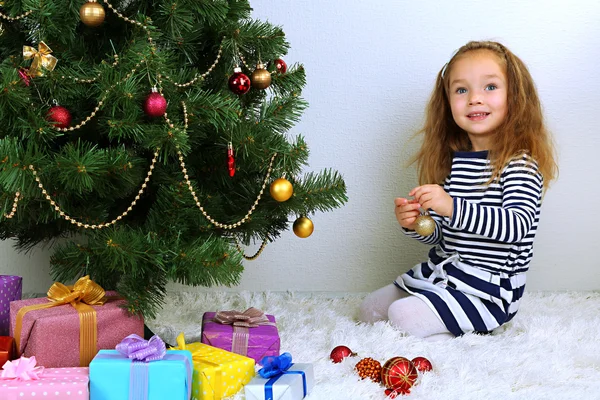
(239, 83)
(59, 116)
(339, 353)
(155, 104)
(422, 364)
(24, 74)
(399, 374)
(281, 66)
(230, 160)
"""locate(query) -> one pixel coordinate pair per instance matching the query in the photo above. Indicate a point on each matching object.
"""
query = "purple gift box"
(241, 335)
(11, 288)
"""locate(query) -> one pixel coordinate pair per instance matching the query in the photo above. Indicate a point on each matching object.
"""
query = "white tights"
(406, 312)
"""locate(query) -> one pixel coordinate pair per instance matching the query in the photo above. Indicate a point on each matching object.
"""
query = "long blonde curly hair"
(522, 131)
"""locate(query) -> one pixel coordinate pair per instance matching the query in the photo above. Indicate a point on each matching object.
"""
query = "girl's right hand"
(406, 212)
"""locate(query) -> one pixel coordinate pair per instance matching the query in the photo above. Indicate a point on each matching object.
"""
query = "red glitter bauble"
(59, 116)
(422, 364)
(280, 65)
(239, 83)
(339, 353)
(399, 374)
(155, 105)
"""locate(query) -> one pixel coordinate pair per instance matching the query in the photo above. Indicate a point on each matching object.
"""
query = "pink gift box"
(55, 383)
(263, 340)
(52, 334)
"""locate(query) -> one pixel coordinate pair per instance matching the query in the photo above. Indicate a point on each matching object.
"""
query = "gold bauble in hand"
(424, 225)
(281, 189)
(303, 227)
(92, 14)
(261, 78)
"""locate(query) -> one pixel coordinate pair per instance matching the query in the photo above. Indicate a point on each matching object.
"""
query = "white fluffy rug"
(551, 350)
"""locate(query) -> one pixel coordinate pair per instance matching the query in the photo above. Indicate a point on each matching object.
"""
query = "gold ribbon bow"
(41, 59)
(251, 318)
(82, 295)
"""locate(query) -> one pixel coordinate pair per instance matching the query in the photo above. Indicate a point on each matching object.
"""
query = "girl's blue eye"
(491, 87)
(461, 90)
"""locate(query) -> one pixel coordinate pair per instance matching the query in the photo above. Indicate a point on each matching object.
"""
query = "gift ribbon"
(199, 356)
(22, 369)
(241, 321)
(81, 296)
(274, 368)
(137, 348)
(41, 59)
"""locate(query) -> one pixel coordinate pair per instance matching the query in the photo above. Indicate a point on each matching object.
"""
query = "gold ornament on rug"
(281, 189)
(424, 225)
(369, 368)
(42, 60)
(260, 78)
(92, 14)
(303, 227)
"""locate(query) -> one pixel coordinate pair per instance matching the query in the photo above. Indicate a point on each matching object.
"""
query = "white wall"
(370, 68)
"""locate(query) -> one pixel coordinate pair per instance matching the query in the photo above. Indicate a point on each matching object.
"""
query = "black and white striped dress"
(475, 276)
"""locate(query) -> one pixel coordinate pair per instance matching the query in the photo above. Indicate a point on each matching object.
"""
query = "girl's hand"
(406, 212)
(435, 198)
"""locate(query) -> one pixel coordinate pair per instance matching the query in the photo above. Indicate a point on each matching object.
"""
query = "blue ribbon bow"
(274, 368)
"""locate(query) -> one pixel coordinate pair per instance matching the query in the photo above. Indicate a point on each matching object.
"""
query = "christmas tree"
(155, 136)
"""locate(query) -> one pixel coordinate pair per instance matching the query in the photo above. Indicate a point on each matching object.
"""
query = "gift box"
(250, 333)
(70, 335)
(287, 381)
(45, 383)
(7, 349)
(217, 373)
(113, 375)
(11, 288)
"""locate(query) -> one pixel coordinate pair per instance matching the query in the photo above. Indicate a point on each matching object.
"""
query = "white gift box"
(288, 386)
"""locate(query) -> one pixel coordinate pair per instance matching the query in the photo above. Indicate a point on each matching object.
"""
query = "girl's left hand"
(435, 198)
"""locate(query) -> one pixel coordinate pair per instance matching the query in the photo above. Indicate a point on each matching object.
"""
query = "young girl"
(485, 141)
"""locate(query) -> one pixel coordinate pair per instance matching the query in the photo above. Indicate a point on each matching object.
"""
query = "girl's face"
(478, 95)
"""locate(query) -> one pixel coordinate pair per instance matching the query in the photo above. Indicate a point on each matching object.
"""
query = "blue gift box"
(113, 376)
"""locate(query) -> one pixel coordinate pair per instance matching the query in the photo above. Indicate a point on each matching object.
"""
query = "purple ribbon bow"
(136, 348)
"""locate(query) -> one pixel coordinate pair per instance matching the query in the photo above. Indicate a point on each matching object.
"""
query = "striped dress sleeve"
(521, 187)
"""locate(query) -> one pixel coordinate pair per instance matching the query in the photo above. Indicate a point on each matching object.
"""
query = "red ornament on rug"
(59, 116)
(339, 353)
(230, 160)
(422, 364)
(155, 104)
(239, 83)
(281, 66)
(391, 394)
(399, 374)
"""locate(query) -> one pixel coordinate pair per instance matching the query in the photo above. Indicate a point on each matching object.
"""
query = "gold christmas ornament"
(42, 60)
(261, 78)
(303, 227)
(92, 14)
(424, 225)
(281, 189)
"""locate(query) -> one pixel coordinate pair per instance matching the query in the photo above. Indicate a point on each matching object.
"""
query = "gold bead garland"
(191, 188)
(94, 226)
(18, 17)
(14, 207)
(199, 77)
(92, 80)
(255, 256)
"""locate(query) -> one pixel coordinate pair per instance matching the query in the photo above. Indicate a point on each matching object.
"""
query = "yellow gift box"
(217, 373)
